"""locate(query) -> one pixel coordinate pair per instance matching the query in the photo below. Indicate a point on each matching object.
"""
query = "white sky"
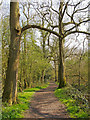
(6, 9)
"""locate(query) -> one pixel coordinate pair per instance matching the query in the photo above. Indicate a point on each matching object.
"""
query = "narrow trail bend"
(46, 105)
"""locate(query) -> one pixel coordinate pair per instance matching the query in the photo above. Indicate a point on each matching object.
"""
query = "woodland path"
(45, 105)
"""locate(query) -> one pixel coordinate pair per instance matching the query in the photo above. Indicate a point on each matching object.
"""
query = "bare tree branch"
(65, 9)
(39, 27)
(80, 9)
(76, 24)
(72, 32)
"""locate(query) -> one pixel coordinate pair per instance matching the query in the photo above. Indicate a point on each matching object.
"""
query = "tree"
(63, 31)
(54, 55)
(10, 87)
(5, 46)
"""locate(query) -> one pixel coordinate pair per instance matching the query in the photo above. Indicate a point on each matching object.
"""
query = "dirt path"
(46, 105)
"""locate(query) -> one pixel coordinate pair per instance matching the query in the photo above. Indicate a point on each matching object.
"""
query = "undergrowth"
(23, 103)
(75, 107)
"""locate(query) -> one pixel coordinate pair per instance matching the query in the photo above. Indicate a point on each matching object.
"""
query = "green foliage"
(77, 69)
(5, 45)
(73, 108)
(32, 62)
(36, 88)
(16, 110)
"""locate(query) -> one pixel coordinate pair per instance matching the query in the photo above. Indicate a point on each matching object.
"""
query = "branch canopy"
(51, 31)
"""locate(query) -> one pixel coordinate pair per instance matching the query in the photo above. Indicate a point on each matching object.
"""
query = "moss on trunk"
(10, 87)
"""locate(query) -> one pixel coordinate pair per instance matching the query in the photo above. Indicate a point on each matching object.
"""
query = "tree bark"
(79, 79)
(61, 69)
(44, 47)
(44, 39)
(25, 84)
(42, 76)
(20, 86)
(25, 62)
(55, 70)
(10, 87)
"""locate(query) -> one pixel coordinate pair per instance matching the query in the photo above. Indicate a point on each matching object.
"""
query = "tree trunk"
(42, 76)
(25, 62)
(25, 84)
(10, 87)
(61, 69)
(20, 86)
(79, 79)
(55, 71)
(44, 47)
(44, 39)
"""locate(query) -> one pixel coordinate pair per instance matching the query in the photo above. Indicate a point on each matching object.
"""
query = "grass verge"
(74, 108)
(16, 110)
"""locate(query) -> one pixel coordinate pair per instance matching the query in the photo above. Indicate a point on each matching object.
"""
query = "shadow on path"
(46, 105)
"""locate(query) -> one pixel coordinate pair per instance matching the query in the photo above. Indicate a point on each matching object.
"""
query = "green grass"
(17, 110)
(74, 109)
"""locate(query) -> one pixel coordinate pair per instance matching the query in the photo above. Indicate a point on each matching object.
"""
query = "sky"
(6, 9)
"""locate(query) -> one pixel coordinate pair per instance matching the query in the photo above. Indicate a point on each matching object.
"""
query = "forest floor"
(44, 104)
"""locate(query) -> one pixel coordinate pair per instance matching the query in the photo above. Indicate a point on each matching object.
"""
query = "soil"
(45, 105)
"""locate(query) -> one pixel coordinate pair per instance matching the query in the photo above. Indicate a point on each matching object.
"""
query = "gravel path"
(46, 105)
